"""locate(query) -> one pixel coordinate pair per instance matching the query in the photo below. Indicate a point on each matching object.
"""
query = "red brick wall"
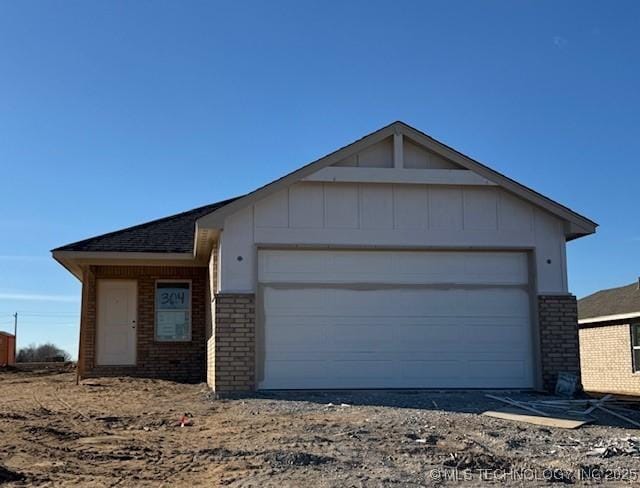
(179, 361)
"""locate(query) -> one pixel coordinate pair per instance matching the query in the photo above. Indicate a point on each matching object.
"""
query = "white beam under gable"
(395, 175)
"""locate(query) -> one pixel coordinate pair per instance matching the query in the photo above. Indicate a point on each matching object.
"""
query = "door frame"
(135, 336)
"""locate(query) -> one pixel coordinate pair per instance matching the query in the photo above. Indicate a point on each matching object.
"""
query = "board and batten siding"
(391, 216)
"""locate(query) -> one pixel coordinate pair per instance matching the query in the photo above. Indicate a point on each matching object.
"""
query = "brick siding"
(222, 348)
(559, 348)
(606, 360)
(232, 357)
(179, 361)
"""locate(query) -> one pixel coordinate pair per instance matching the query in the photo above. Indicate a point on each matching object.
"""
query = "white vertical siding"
(411, 207)
(392, 215)
(445, 208)
(237, 260)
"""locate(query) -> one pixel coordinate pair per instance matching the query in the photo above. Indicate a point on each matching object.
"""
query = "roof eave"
(69, 265)
(74, 261)
(609, 318)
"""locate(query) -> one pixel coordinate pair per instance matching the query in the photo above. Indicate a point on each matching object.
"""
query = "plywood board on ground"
(562, 423)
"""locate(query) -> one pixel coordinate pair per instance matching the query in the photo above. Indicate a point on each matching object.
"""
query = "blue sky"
(113, 113)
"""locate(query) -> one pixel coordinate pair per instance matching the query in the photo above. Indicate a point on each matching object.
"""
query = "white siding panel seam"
(463, 206)
(393, 206)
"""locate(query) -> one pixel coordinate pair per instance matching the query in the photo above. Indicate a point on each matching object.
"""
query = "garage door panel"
(495, 302)
(363, 303)
(440, 373)
(297, 301)
(394, 334)
(505, 268)
(501, 371)
(429, 302)
(392, 267)
(425, 301)
(356, 338)
(380, 335)
(330, 374)
(346, 263)
(287, 331)
(294, 373)
(435, 373)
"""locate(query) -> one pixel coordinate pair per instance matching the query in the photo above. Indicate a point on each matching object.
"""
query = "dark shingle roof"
(614, 301)
(169, 234)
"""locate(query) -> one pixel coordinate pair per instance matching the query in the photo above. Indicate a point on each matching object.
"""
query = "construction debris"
(618, 415)
(567, 413)
(628, 446)
(521, 405)
(536, 420)
(566, 384)
(185, 421)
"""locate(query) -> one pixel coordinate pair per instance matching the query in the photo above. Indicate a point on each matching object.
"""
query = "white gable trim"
(578, 225)
(605, 318)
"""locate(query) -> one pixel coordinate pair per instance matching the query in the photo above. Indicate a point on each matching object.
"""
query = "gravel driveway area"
(126, 432)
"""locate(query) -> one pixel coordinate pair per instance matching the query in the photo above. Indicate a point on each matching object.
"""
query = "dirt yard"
(125, 432)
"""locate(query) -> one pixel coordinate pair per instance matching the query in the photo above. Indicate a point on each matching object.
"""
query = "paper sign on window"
(172, 312)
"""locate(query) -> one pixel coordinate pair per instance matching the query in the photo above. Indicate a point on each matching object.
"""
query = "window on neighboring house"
(635, 346)
(173, 311)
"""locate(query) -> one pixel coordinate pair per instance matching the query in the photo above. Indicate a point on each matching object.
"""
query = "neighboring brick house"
(394, 262)
(609, 323)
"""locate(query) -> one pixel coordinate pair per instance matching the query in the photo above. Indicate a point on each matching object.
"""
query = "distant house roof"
(620, 302)
(173, 234)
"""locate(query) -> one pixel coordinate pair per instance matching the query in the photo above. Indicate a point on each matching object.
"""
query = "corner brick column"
(86, 347)
(233, 357)
(559, 344)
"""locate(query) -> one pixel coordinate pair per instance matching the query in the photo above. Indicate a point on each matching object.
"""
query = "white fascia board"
(162, 256)
(607, 318)
(70, 266)
(74, 261)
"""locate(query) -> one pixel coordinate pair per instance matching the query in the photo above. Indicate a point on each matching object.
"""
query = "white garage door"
(387, 319)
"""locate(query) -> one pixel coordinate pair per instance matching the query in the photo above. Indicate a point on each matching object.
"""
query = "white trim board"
(395, 175)
(607, 318)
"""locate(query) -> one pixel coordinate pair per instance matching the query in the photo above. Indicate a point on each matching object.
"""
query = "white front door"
(385, 319)
(117, 315)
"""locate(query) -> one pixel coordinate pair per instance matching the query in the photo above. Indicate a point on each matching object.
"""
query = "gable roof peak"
(578, 225)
